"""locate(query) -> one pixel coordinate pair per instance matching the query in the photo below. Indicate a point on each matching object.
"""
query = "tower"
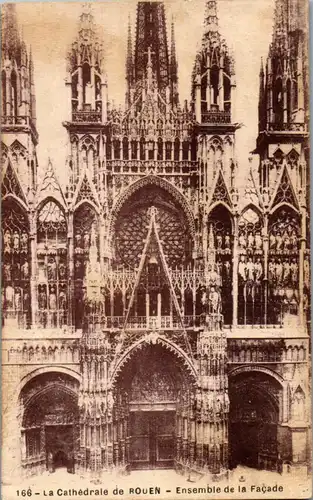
(19, 133)
(213, 105)
(87, 99)
(282, 141)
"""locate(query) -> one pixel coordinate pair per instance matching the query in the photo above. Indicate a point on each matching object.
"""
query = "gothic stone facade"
(155, 309)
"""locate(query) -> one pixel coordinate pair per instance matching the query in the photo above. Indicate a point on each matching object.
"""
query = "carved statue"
(242, 241)
(272, 242)
(242, 268)
(286, 271)
(42, 298)
(17, 299)
(258, 269)
(7, 241)
(286, 241)
(294, 241)
(279, 242)
(52, 300)
(250, 269)
(279, 271)
(24, 242)
(250, 240)
(7, 272)
(215, 300)
(25, 270)
(16, 242)
(258, 242)
(52, 269)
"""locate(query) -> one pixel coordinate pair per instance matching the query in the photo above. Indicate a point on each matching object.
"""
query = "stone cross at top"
(149, 67)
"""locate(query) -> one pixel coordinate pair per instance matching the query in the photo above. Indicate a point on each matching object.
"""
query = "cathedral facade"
(156, 309)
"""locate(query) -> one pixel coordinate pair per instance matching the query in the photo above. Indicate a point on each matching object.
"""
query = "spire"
(129, 57)
(11, 46)
(210, 20)
(280, 33)
(86, 22)
(173, 61)
(32, 88)
(151, 32)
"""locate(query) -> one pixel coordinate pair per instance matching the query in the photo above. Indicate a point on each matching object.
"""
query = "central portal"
(152, 440)
(153, 401)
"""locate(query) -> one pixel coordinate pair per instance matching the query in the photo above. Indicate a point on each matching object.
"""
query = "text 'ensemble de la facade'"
(156, 310)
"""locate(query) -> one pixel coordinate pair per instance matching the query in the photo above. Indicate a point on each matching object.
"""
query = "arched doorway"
(50, 430)
(255, 400)
(153, 393)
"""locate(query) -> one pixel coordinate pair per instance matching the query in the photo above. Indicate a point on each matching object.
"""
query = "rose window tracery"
(132, 228)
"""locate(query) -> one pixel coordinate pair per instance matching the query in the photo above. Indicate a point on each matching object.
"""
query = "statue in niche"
(52, 269)
(219, 242)
(52, 299)
(242, 241)
(258, 269)
(286, 241)
(7, 272)
(9, 296)
(294, 272)
(286, 271)
(86, 241)
(294, 241)
(227, 267)
(42, 298)
(25, 270)
(272, 242)
(279, 243)
(242, 268)
(306, 271)
(279, 271)
(258, 242)
(227, 243)
(62, 271)
(271, 270)
(78, 242)
(215, 301)
(24, 242)
(17, 299)
(7, 241)
(250, 241)
(16, 242)
(250, 269)
(62, 300)
(298, 406)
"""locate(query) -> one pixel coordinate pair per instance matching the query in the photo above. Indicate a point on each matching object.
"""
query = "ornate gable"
(50, 186)
(11, 184)
(86, 191)
(220, 191)
(284, 192)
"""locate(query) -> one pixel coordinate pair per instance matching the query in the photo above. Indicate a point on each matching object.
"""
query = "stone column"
(33, 279)
(235, 272)
(71, 281)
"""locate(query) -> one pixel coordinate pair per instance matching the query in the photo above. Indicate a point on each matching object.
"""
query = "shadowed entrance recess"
(150, 386)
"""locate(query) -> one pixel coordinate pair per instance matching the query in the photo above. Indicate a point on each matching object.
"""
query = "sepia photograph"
(155, 225)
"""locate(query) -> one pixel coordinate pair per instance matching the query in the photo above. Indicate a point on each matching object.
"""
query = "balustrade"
(218, 117)
(99, 322)
(145, 166)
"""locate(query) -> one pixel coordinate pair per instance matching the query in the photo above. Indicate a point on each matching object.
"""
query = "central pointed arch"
(156, 181)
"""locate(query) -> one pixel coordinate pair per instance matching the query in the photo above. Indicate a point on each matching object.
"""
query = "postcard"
(155, 250)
